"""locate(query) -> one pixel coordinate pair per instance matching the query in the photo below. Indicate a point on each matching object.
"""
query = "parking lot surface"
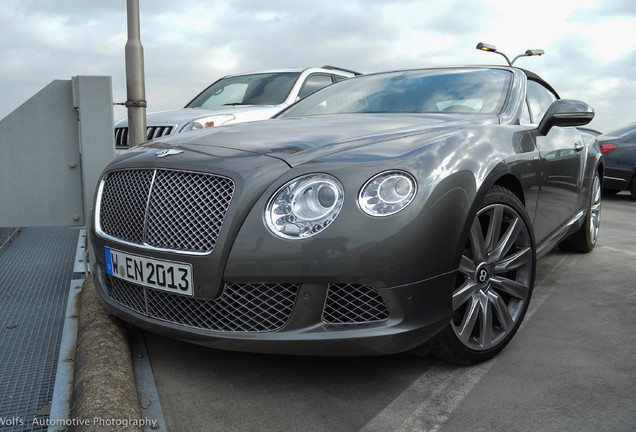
(571, 367)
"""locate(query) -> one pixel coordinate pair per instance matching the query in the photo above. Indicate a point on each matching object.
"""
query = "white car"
(237, 99)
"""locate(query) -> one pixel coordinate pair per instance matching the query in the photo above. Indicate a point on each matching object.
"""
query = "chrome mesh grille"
(240, 308)
(123, 204)
(152, 132)
(353, 304)
(173, 210)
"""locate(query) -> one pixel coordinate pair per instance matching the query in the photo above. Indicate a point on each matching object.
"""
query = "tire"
(585, 238)
(494, 282)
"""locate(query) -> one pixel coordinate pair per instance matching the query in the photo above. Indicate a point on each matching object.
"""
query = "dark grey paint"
(411, 257)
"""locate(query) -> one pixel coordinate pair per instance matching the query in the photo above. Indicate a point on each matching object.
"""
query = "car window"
(539, 99)
(231, 93)
(458, 90)
(256, 89)
(525, 114)
(314, 83)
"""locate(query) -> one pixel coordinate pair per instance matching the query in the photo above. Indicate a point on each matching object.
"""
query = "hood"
(178, 118)
(299, 140)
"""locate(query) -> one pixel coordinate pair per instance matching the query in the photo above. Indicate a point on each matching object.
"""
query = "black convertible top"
(534, 77)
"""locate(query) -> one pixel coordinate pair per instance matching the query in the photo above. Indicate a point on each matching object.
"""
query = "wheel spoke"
(514, 288)
(514, 261)
(494, 228)
(485, 322)
(507, 241)
(477, 241)
(500, 309)
(594, 228)
(466, 266)
(595, 211)
(597, 191)
(463, 293)
(468, 322)
(596, 200)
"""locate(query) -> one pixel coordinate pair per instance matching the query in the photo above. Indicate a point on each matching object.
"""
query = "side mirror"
(565, 112)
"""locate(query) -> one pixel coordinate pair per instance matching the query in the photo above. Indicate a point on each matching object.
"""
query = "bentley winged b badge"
(167, 152)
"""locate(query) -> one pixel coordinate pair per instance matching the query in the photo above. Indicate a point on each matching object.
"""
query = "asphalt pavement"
(571, 367)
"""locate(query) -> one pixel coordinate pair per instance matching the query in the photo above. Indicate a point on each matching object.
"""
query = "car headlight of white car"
(206, 122)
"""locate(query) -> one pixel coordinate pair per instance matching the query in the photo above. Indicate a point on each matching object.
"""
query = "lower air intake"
(354, 304)
(240, 308)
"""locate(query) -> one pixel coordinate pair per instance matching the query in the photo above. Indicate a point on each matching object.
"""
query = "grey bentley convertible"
(389, 212)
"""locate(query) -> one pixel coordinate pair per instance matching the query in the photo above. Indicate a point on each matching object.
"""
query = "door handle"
(578, 146)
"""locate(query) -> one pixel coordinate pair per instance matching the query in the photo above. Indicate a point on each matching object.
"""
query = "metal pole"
(135, 84)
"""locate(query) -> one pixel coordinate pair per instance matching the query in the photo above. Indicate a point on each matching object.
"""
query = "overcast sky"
(590, 45)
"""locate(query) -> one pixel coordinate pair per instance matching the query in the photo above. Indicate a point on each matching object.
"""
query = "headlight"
(304, 206)
(387, 193)
(206, 122)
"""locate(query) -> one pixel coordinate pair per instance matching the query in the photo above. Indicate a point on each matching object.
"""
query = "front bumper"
(312, 325)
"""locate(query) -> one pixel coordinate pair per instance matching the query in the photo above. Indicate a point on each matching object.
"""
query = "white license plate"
(163, 275)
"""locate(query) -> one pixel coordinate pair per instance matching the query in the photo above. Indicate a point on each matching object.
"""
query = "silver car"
(237, 99)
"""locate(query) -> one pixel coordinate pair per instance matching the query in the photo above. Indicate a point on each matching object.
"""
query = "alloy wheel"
(495, 278)
(595, 210)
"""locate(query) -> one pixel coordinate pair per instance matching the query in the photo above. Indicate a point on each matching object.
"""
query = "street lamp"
(491, 48)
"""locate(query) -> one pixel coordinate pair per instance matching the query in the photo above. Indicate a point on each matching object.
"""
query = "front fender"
(412, 245)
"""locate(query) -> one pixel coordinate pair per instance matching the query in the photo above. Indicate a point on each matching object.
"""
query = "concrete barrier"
(105, 396)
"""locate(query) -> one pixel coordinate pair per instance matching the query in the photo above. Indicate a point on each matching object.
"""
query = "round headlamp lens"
(394, 189)
(327, 196)
(387, 193)
(304, 206)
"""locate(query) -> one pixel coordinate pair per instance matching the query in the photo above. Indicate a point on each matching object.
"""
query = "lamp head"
(486, 47)
(534, 52)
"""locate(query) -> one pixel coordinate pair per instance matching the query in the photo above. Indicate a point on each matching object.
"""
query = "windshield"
(442, 90)
(257, 89)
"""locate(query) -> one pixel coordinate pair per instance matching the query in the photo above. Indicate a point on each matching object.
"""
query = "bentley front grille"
(172, 210)
(240, 308)
(354, 304)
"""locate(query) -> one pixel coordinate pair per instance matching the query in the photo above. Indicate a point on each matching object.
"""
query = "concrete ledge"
(104, 390)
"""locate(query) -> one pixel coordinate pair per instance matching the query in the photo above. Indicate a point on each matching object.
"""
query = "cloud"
(607, 8)
(588, 43)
